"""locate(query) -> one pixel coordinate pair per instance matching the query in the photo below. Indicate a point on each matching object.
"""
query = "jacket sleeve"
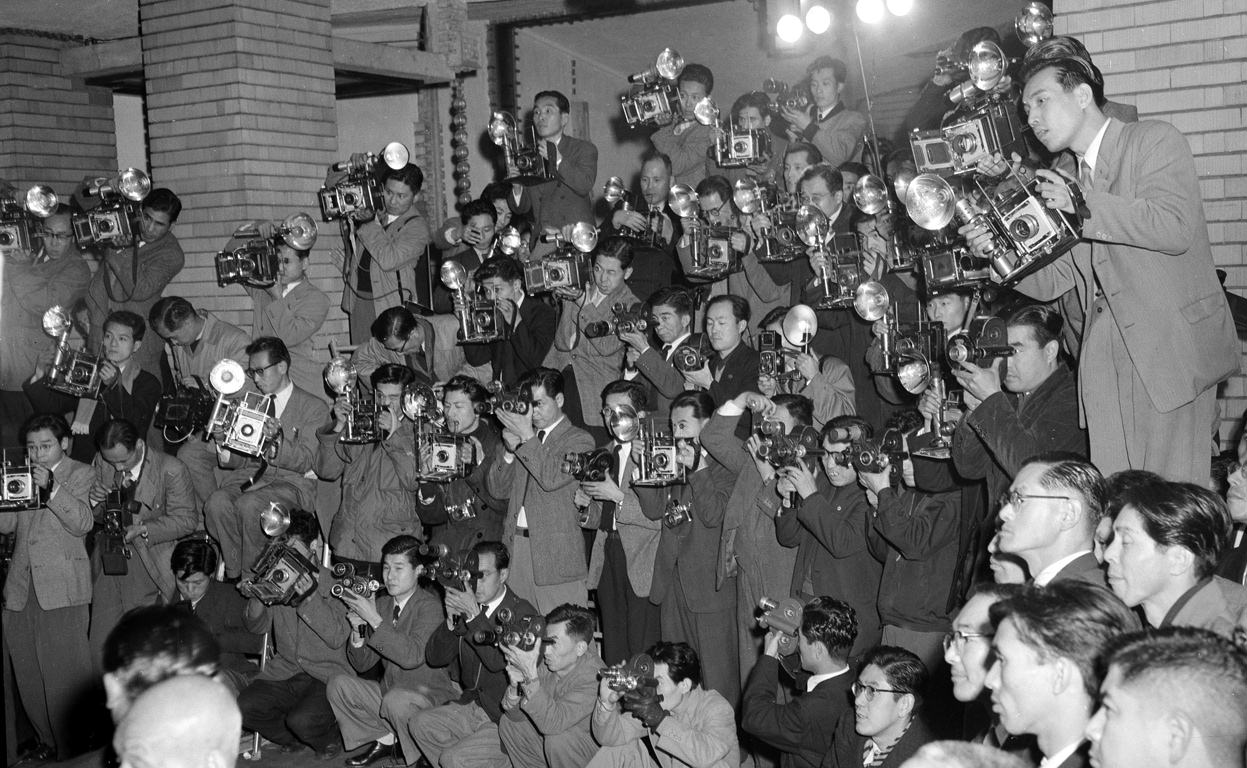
(615, 727)
(443, 646)
(1011, 442)
(711, 488)
(501, 477)
(545, 467)
(551, 715)
(324, 619)
(841, 532)
(780, 725)
(915, 529)
(533, 337)
(69, 501)
(1051, 281)
(155, 271)
(838, 142)
(704, 745)
(401, 453)
(687, 151)
(181, 516)
(295, 325)
(579, 171)
(832, 391)
(719, 439)
(662, 374)
(969, 454)
(233, 634)
(331, 455)
(299, 444)
(394, 248)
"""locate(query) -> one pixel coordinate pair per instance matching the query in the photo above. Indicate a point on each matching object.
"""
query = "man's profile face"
(671, 692)
(154, 224)
(1128, 728)
(1021, 682)
(1054, 114)
(969, 657)
(1033, 523)
(183, 336)
(655, 183)
(121, 458)
(559, 650)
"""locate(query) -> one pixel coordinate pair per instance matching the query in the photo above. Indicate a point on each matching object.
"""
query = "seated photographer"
(392, 629)
(379, 479)
(399, 337)
(144, 503)
(548, 706)
(194, 564)
(652, 227)
(733, 366)
(828, 383)
(547, 546)
(752, 112)
(48, 587)
(800, 728)
(621, 564)
(829, 530)
(282, 474)
(584, 342)
(687, 141)
(697, 602)
(884, 726)
(465, 732)
(462, 512)
(287, 702)
(672, 717)
(127, 391)
(671, 317)
(531, 322)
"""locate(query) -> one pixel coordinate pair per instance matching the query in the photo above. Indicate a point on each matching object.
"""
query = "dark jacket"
(401, 649)
(132, 396)
(221, 608)
(798, 729)
(915, 535)
(527, 348)
(847, 747)
(432, 498)
(739, 373)
(665, 382)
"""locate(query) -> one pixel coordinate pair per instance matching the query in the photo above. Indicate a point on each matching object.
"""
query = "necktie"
(607, 522)
(394, 615)
(541, 436)
(666, 351)
(194, 347)
(121, 479)
(1085, 175)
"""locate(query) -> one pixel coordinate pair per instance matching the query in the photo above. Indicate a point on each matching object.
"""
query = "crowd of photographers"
(687, 488)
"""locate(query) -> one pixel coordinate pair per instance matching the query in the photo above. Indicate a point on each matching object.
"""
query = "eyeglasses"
(1018, 499)
(254, 372)
(959, 638)
(869, 691)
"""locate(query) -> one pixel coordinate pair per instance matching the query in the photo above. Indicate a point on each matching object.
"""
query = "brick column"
(242, 125)
(53, 129)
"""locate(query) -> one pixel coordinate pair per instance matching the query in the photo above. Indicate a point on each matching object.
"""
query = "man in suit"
(1158, 335)
(837, 132)
(1049, 516)
(282, 474)
(1045, 679)
(799, 728)
(687, 141)
(532, 323)
(398, 338)
(547, 546)
(571, 165)
(548, 707)
(733, 368)
(651, 226)
(465, 732)
(394, 630)
(158, 489)
(48, 587)
(671, 317)
(621, 564)
(133, 279)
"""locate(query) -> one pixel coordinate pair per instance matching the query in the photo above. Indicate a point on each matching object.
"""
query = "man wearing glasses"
(282, 472)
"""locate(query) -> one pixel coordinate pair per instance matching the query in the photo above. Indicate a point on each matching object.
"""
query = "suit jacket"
(798, 729)
(372, 354)
(637, 533)
(687, 150)
(563, 199)
(221, 608)
(1215, 604)
(847, 747)
(112, 287)
(48, 552)
(527, 348)
(295, 318)
(298, 450)
(562, 704)
(738, 373)
(1086, 569)
(401, 648)
(1146, 243)
(597, 362)
(534, 479)
(700, 731)
(219, 341)
(394, 250)
(840, 136)
(167, 507)
(310, 637)
(666, 383)
(1081, 757)
(29, 290)
(1233, 565)
(432, 498)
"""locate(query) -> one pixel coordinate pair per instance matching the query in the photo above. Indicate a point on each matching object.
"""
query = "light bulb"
(818, 19)
(900, 7)
(870, 11)
(789, 28)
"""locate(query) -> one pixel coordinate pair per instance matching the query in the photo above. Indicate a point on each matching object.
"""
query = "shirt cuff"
(730, 408)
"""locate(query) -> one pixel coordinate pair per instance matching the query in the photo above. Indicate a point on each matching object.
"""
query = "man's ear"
(628, 273)
(559, 400)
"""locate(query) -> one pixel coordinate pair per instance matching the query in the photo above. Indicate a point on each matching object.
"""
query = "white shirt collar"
(403, 603)
(282, 398)
(1093, 149)
(1058, 757)
(1049, 573)
(677, 343)
(551, 428)
(815, 680)
(286, 291)
(492, 605)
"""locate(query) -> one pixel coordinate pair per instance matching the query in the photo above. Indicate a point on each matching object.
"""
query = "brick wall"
(1185, 62)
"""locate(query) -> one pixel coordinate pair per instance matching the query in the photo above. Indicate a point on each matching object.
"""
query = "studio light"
(789, 28)
(870, 11)
(818, 19)
(900, 7)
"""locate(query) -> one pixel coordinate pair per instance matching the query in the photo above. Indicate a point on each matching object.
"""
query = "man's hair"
(681, 660)
(637, 394)
(1182, 515)
(827, 62)
(469, 386)
(776, 315)
(170, 313)
(697, 73)
(504, 267)
(1073, 620)
(756, 99)
(672, 296)
(547, 378)
(1045, 322)
(155, 642)
(1071, 472)
(53, 422)
(117, 432)
(715, 185)
(652, 154)
(560, 100)
(831, 622)
(580, 621)
(903, 670)
(1118, 483)
(1073, 63)
(616, 247)
(698, 399)
(496, 190)
(163, 199)
(812, 155)
(392, 373)
(275, 347)
(1196, 672)
(835, 182)
(405, 545)
(395, 321)
(996, 592)
(740, 305)
(127, 319)
(799, 407)
(965, 754)
(853, 167)
(304, 526)
(479, 207)
(409, 174)
(501, 555)
(194, 555)
(846, 422)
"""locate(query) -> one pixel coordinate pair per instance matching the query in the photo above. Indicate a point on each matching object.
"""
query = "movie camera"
(510, 629)
(507, 399)
(784, 96)
(75, 372)
(591, 466)
(241, 423)
(653, 98)
(567, 267)
(112, 223)
(16, 225)
(349, 581)
(627, 319)
(17, 484)
(784, 616)
(522, 161)
(254, 262)
(481, 320)
(359, 191)
(874, 456)
(710, 245)
(119, 512)
(777, 243)
(984, 342)
(454, 570)
(615, 192)
(634, 675)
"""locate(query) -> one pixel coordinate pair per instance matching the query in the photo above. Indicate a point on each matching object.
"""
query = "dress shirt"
(1093, 149)
(286, 291)
(281, 398)
(1058, 757)
(521, 521)
(815, 680)
(1047, 574)
(489, 608)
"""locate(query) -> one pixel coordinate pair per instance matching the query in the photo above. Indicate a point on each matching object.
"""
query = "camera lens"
(1024, 227)
(14, 487)
(350, 200)
(965, 143)
(661, 460)
(105, 226)
(246, 430)
(7, 238)
(443, 456)
(557, 275)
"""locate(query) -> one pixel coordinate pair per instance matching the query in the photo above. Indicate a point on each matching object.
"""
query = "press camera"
(1027, 234)
(657, 464)
(241, 422)
(653, 98)
(349, 581)
(740, 147)
(18, 490)
(710, 251)
(16, 223)
(359, 191)
(522, 161)
(255, 261)
(784, 616)
(285, 573)
(951, 268)
(111, 224)
(74, 372)
(446, 456)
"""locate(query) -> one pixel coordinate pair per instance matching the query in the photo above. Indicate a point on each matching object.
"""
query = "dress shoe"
(375, 753)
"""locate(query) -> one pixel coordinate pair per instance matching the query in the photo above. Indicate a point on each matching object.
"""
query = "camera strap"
(134, 275)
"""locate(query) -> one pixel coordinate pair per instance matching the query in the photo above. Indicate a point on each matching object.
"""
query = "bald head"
(189, 721)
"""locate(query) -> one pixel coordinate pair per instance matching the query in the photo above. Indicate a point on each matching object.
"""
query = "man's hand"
(699, 379)
(807, 365)
(519, 424)
(875, 481)
(629, 220)
(135, 531)
(569, 294)
(929, 405)
(800, 478)
(765, 470)
(581, 499)
(603, 490)
(525, 662)
(364, 607)
(645, 708)
(752, 401)
(981, 383)
(636, 343)
(770, 645)
(799, 119)
(108, 372)
(341, 412)
(607, 696)
(1054, 188)
(739, 242)
(42, 476)
(461, 603)
(97, 494)
(508, 310)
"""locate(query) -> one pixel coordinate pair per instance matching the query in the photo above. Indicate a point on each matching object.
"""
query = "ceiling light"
(900, 7)
(818, 19)
(789, 28)
(870, 11)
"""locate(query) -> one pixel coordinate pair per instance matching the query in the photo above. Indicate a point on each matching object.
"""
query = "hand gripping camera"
(522, 632)
(635, 674)
(285, 573)
(784, 96)
(359, 191)
(363, 421)
(506, 399)
(653, 99)
(777, 243)
(349, 581)
(481, 320)
(75, 372)
(111, 223)
(985, 340)
(120, 512)
(254, 262)
(693, 354)
(446, 456)
(241, 421)
(567, 267)
(741, 147)
(591, 466)
(627, 319)
(615, 192)
(780, 449)
(874, 456)
(455, 570)
(17, 484)
(783, 616)
(15, 218)
(522, 161)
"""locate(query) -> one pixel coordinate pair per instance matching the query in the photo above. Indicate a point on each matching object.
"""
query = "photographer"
(571, 163)
(838, 133)
(678, 721)
(48, 587)
(287, 702)
(547, 707)
(654, 230)
(154, 491)
(379, 480)
(531, 321)
(733, 367)
(399, 337)
(827, 383)
(752, 112)
(463, 402)
(671, 317)
(687, 141)
(391, 630)
(595, 362)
